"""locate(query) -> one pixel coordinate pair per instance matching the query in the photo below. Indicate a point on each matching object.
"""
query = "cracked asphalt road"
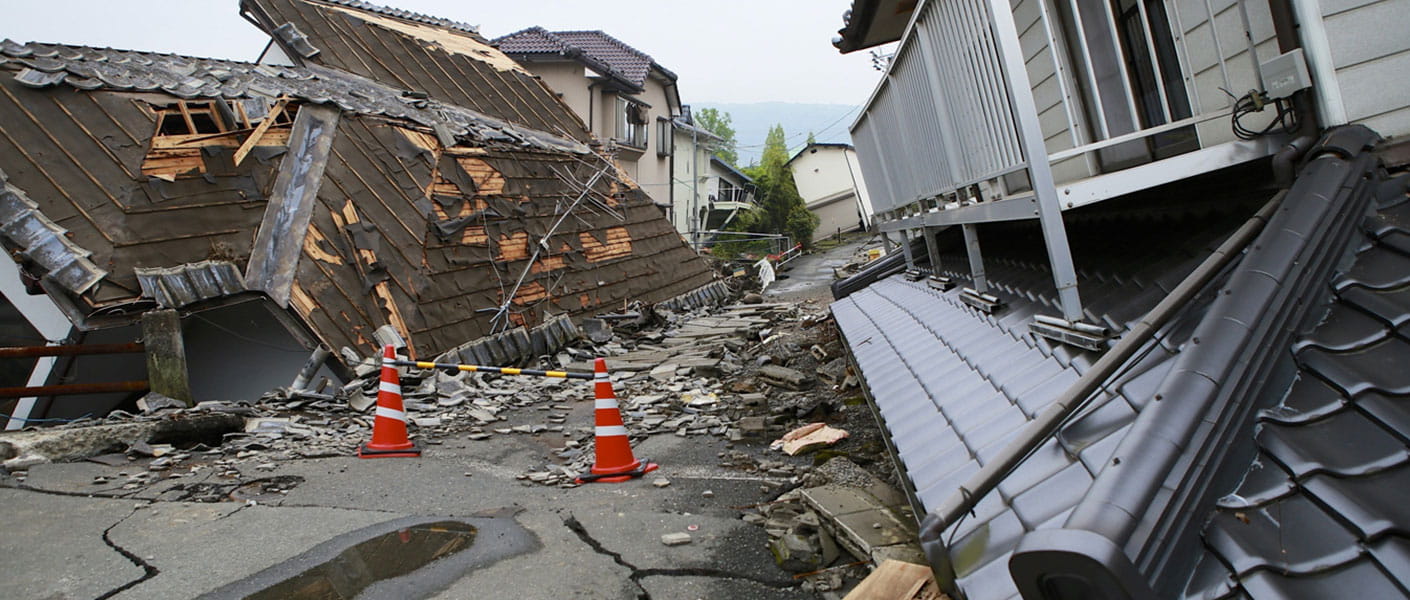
(65, 537)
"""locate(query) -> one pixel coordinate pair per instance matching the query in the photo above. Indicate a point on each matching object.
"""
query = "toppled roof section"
(45, 242)
(443, 60)
(600, 50)
(87, 68)
(407, 15)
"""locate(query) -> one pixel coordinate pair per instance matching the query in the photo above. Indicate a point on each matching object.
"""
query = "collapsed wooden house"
(282, 207)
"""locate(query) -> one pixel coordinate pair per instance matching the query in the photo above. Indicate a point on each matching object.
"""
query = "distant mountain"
(829, 122)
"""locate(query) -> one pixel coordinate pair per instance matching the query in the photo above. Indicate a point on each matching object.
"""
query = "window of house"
(1135, 81)
(665, 137)
(631, 123)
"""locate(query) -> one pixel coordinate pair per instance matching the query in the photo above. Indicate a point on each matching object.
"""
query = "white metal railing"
(1114, 84)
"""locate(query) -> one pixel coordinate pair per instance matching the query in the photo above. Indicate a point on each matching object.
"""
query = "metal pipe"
(74, 389)
(1317, 49)
(1075, 397)
(1252, 48)
(1088, 70)
(315, 361)
(33, 351)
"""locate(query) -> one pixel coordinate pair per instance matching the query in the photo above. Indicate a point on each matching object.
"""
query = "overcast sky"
(725, 51)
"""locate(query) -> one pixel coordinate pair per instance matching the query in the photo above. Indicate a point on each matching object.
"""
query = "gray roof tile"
(1292, 535)
(1358, 501)
(1361, 576)
(1343, 444)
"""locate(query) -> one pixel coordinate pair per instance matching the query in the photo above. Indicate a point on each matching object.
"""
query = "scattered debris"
(675, 539)
(808, 437)
(897, 580)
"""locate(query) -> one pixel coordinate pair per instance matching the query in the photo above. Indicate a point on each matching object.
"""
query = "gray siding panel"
(1378, 87)
(1370, 32)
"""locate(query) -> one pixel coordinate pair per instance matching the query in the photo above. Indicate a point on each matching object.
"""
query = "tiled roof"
(87, 68)
(407, 15)
(1320, 508)
(954, 386)
(605, 51)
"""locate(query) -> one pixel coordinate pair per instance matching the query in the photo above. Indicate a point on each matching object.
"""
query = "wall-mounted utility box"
(1285, 74)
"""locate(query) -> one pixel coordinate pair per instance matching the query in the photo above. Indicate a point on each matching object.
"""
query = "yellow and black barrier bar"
(484, 369)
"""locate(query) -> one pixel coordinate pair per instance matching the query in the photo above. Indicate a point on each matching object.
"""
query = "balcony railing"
(1112, 85)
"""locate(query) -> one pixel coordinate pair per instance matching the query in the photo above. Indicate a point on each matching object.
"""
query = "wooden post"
(166, 355)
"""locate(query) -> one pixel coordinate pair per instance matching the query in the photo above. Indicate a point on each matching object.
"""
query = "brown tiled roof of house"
(599, 50)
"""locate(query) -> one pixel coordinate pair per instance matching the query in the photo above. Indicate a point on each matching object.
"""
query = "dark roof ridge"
(1239, 343)
(185, 77)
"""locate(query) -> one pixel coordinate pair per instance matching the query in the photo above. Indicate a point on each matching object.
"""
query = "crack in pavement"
(148, 571)
(637, 573)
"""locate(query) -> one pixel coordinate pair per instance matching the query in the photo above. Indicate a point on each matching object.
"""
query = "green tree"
(779, 208)
(720, 123)
(812, 139)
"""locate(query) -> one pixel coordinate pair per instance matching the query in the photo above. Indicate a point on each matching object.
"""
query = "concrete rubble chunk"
(796, 553)
(784, 377)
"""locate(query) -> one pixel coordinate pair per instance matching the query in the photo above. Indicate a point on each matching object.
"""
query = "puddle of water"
(386, 556)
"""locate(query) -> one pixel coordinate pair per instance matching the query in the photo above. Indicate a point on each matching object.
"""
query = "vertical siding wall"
(1370, 44)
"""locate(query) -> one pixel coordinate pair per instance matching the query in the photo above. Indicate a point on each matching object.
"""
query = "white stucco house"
(631, 104)
(830, 181)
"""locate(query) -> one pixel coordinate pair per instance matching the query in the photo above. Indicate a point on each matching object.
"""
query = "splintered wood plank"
(260, 130)
(488, 180)
(896, 580)
(514, 246)
(420, 139)
(548, 263)
(301, 301)
(474, 236)
(617, 245)
(530, 293)
(313, 247)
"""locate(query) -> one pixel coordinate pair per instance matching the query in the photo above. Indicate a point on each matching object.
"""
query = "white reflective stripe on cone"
(605, 403)
(599, 376)
(392, 413)
(387, 386)
(610, 430)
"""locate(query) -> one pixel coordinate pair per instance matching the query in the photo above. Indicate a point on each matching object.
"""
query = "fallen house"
(339, 203)
(1220, 412)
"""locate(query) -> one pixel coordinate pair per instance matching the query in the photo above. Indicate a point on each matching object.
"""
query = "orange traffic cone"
(389, 427)
(613, 461)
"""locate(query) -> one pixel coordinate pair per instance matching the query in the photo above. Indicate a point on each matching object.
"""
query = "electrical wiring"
(1285, 121)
